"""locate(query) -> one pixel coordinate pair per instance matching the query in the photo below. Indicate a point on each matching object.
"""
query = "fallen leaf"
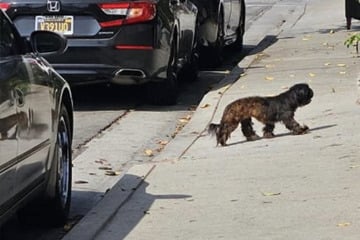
(243, 75)
(327, 64)
(269, 65)
(355, 166)
(182, 120)
(205, 105)
(105, 168)
(186, 118)
(224, 89)
(102, 161)
(342, 72)
(149, 153)
(306, 38)
(312, 74)
(343, 224)
(112, 173)
(81, 182)
(163, 142)
(332, 31)
(341, 65)
(269, 78)
(269, 194)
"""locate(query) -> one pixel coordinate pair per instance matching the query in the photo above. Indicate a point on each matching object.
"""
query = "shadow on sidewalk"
(135, 208)
(236, 72)
(287, 134)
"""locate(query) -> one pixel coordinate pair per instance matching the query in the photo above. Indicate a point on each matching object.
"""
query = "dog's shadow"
(283, 134)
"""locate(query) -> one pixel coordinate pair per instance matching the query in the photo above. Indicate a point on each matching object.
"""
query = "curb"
(90, 225)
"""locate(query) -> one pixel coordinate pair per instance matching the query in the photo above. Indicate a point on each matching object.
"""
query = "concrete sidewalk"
(289, 187)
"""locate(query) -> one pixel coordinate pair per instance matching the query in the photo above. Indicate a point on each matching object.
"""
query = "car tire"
(238, 44)
(58, 205)
(212, 56)
(190, 71)
(165, 91)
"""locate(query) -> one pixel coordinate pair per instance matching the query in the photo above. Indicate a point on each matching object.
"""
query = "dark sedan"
(36, 125)
(221, 23)
(121, 42)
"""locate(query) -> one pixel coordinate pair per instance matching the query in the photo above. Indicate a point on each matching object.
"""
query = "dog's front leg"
(269, 130)
(248, 131)
(295, 127)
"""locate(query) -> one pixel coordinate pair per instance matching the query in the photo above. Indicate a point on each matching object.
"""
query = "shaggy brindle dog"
(268, 110)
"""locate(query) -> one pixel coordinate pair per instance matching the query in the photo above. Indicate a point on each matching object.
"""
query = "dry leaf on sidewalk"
(343, 224)
(149, 152)
(205, 105)
(163, 142)
(81, 182)
(112, 173)
(105, 168)
(269, 78)
(269, 194)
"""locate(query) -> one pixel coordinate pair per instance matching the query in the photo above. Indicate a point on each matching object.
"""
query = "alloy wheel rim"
(63, 162)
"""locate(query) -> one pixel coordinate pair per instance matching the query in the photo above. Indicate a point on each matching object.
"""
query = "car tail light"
(4, 6)
(130, 12)
(134, 47)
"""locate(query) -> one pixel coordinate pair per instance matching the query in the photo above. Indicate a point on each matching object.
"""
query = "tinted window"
(8, 40)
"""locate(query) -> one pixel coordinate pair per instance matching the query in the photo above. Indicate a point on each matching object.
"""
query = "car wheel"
(165, 91)
(213, 55)
(238, 44)
(59, 204)
(190, 71)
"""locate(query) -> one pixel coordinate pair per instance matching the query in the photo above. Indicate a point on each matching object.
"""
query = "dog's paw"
(301, 130)
(268, 135)
(305, 129)
(253, 138)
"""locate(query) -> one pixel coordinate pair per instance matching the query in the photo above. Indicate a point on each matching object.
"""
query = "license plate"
(60, 24)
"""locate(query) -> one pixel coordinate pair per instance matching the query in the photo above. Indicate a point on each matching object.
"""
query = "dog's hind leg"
(247, 130)
(268, 130)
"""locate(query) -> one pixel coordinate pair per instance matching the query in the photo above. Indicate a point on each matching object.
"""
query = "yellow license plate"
(60, 24)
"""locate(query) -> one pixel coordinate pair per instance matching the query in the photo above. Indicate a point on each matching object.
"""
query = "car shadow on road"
(248, 50)
(124, 207)
(138, 210)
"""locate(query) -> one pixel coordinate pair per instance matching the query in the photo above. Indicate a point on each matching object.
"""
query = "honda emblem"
(53, 6)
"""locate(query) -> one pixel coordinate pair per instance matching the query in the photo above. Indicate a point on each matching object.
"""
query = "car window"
(9, 44)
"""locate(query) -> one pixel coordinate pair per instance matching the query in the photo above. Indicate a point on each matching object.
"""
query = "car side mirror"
(48, 43)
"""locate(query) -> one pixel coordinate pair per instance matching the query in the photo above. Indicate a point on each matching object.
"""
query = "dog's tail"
(213, 129)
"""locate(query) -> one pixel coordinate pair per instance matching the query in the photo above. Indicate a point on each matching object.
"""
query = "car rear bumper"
(123, 67)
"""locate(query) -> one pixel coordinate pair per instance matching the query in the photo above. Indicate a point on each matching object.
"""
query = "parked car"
(221, 24)
(120, 42)
(36, 125)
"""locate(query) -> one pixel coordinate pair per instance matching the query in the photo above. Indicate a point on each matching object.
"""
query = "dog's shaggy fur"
(268, 110)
